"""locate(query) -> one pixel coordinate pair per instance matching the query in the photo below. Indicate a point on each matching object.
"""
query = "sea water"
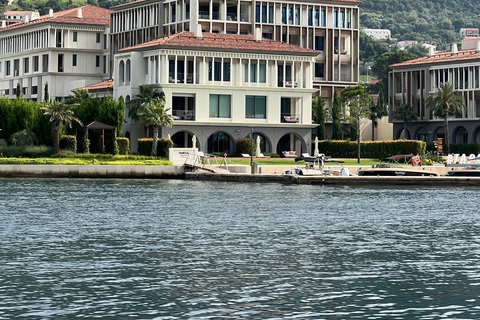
(125, 249)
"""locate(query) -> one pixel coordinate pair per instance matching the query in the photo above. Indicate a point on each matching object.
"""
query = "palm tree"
(146, 95)
(59, 113)
(445, 102)
(404, 112)
(153, 113)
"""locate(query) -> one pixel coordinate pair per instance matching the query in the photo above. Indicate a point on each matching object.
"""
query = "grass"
(81, 161)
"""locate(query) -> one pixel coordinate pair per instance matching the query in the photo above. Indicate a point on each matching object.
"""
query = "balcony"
(289, 118)
(185, 115)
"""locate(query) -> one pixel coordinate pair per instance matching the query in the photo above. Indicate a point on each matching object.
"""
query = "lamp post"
(251, 150)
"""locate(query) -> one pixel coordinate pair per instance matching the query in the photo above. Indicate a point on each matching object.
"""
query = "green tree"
(146, 95)
(377, 112)
(357, 101)
(78, 96)
(46, 96)
(319, 109)
(59, 113)
(404, 112)
(337, 133)
(18, 91)
(445, 102)
(153, 113)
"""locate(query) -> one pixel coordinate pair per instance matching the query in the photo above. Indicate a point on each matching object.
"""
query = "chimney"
(258, 34)
(477, 50)
(454, 48)
(79, 13)
(4, 24)
(431, 51)
(26, 19)
(50, 13)
(198, 32)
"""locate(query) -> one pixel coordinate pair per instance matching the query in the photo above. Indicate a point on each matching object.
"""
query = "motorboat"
(390, 170)
(468, 171)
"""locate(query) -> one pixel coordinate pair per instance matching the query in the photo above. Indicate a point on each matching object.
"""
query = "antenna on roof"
(258, 34)
(4, 24)
(454, 48)
(431, 51)
(79, 13)
(198, 32)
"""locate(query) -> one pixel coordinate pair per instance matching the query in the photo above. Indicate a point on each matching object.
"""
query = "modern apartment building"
(67, 50)
(379, 34)
(222, 87)
(410, 82)
(329, 27)
(12, 17)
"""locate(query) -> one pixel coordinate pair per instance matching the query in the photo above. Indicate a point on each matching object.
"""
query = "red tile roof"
(103, 85)
(17, 12)
(441, 57)
(212, 41)
(91, 15)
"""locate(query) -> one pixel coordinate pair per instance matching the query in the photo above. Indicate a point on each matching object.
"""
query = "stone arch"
(265, 143)
(476, 135)
(220, 142)
(400, 134)
(121, 72)
(460, 135)
(439, 132)
(291, 142)
(183, 139)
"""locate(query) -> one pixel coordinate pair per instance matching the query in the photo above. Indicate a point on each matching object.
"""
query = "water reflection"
(194, 250)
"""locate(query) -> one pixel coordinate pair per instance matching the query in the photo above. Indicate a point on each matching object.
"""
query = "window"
(97, 61)
(310, 17)
(257, 13)
(319, 70)
(218, 70)
(0, 67)
(255, 107)
(320, 43)
(7, 92)
(220, 105)
(74, 36)
(284, 15)
(270, 13)
(26, 65)
(104, 41)
(74, 60)
(335, 19)
(34, 89)
(35, 63)
(297, 16)
(105, 65)
(7, 68)
(322, 18)
(97, 38)
(174, 12)
(45, 63)
(60, 63)
(262, 73)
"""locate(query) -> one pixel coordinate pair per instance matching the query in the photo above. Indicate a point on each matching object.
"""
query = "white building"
(67, 50)
(12, 17)
(469, 32)
(378, 34)
(221, 87)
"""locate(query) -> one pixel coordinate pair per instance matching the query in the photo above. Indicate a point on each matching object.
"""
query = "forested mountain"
(438, 20)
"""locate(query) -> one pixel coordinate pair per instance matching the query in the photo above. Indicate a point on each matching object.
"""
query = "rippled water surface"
(189, 250)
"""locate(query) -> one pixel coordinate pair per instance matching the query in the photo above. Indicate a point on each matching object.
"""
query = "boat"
(468, 171)
(389, 170)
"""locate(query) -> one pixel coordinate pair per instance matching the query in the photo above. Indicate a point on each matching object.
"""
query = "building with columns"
(331, 27)
(410, 82)
(67, 50)
(222, 87)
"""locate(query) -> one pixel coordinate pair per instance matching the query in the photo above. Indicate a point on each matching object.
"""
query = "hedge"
(145, 147)
(26, 152)
(123, 145)
(68, 143)
(371, 149)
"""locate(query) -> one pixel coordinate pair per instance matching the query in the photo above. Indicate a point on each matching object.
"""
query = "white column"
(258, 67)
(194, 80)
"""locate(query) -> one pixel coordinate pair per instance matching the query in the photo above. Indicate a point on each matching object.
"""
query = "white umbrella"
(316, 152)
(257, 151)
(168, 137)
(194, 141)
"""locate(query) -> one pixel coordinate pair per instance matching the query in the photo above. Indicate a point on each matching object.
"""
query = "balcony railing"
(186, 115)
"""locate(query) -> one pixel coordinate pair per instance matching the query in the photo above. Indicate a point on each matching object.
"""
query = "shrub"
(123, 145)
(371, 149)
(27, 152)
(163, 146)
(68, 143)
(86, 146)
(272, 155)
(244, 145)
(467, 148)
(145, 147)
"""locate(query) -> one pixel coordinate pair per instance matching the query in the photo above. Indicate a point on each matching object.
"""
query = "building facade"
(67, 50)
(329, 27)
(410, 83)
(378, 34)
(222, 87)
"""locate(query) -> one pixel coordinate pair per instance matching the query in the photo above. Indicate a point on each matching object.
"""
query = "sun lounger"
(245, 155)
(289, 154)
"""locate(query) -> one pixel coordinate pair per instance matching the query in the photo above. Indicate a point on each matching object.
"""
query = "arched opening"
(402, 134)
(291, 142)
(476, 135)
(121, 72)
(460, 135)
(128, 71)
(422, 135)
(265, 144)
(220, 142)
(439, 132)
(183, 139)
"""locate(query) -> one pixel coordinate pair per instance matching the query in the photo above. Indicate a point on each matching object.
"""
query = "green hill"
(438, 20)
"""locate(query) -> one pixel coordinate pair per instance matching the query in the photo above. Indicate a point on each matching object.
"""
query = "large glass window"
(335, 19)
(256, 107)
(26, 65)
(316, 18)
(290, 15)
(319, 43)
(257, 13)
(270, 13)
(74, 36)
(284, 15)
(174, 12)
(310, 17)
(262, 73)
(216, 69)
(60, 63)
(264, 13)
(220, 105)
(7, 68)
(35, 63)
(322, 18)
(297, 16)
(319, 70)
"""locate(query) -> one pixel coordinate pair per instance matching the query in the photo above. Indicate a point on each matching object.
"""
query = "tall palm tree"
(445, 102)
(404, 112)
(146, 95)
(59, 113)
(153, 113)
